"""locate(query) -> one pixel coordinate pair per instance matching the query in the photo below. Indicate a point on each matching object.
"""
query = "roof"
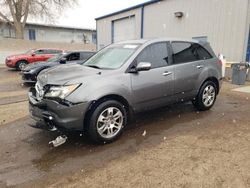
(130, 8)
(54, 26)
(59, 26)
(142, 41)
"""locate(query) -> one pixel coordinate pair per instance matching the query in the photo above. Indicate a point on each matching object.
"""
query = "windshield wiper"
(93, 66)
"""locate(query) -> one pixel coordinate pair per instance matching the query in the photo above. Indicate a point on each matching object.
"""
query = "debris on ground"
(144, 133)
(59, 140)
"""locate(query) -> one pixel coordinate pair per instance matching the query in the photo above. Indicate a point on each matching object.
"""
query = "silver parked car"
(100, 96)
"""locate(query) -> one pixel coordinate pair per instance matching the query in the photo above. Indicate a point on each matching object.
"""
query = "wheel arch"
(18, 61)
(215, 81)
(115, 97)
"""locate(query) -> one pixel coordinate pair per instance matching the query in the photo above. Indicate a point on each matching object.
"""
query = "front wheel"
(107, 122)
(206, 96)
(20, 65)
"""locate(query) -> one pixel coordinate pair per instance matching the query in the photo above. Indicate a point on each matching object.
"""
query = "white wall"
(59, 35)
(104, 33)
(50, 34)
(225, 22)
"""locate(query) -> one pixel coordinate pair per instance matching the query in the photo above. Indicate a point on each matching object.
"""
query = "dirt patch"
(12, 112)
(175, 146)
(12, 93)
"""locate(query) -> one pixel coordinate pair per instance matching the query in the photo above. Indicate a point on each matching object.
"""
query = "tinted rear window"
(187, 52)
(203, 54)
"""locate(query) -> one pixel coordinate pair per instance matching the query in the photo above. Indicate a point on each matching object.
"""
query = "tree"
(16, 12)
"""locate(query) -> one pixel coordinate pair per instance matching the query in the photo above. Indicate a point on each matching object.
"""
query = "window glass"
(32, 34)
(86, 55)
(202, 53)
(112, 57)
(183, 52)
(52, 51)
(40, 52)
(73, 57)
(156, 54)
(188, 52)
(55, 58)
(48, 51)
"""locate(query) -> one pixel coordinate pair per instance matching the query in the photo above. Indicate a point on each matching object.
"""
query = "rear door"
(188, 63)
(151, 88)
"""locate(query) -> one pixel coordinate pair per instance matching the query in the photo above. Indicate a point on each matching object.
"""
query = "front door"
(151, 88)
(39, 55)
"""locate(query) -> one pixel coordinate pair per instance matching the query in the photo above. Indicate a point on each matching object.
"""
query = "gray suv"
(100, 96)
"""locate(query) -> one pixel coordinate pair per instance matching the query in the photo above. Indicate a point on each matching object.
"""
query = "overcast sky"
(85, 13)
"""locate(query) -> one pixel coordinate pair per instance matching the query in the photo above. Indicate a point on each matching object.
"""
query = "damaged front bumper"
(52, 115)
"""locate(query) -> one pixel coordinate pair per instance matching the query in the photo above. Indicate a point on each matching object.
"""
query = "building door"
(32, 34)
(123, 29)
(248, 49)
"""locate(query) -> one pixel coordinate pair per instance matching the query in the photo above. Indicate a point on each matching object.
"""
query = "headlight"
(61, 91)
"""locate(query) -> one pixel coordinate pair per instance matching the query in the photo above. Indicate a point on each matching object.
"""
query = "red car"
(21, 60)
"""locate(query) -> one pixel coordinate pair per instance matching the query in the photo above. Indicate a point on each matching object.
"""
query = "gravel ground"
(174, 146)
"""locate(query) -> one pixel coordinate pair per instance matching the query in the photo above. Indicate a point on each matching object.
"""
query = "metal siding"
(123, 29)
(104, 27)
(222, 21)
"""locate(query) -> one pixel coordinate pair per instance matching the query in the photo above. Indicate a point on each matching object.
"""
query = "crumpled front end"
(59, 114)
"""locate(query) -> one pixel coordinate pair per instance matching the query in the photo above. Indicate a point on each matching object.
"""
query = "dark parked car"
(30, 72)
(19, 61)
(100, 96)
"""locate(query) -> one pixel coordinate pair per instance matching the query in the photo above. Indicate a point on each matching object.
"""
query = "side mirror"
(63, 60)
(33, 54)
(143, 66)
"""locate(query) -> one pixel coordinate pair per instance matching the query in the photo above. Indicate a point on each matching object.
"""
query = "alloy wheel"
(109, 122)
(208, 95)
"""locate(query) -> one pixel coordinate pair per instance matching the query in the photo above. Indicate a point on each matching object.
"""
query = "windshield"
(112, 57)
(29, 52)
(55, 58)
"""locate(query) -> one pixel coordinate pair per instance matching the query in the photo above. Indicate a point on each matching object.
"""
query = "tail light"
(219, 62)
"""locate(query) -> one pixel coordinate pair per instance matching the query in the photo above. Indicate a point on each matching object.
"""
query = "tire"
(21, 64)
(102, 127)
(206, 96)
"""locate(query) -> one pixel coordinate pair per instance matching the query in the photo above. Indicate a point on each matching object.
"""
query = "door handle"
(199, 66)
(166, 73)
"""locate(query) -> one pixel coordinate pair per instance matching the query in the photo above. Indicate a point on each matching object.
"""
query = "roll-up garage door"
(124, 29)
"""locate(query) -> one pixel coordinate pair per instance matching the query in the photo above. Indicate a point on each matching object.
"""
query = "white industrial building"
(51, 33)
(224, 23)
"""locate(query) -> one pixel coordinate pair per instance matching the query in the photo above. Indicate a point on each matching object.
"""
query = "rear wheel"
(206, 96)
(21, 64)
(107, 122)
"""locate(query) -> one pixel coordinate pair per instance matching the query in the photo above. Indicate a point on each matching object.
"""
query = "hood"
(40, 64)
(61, 75)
